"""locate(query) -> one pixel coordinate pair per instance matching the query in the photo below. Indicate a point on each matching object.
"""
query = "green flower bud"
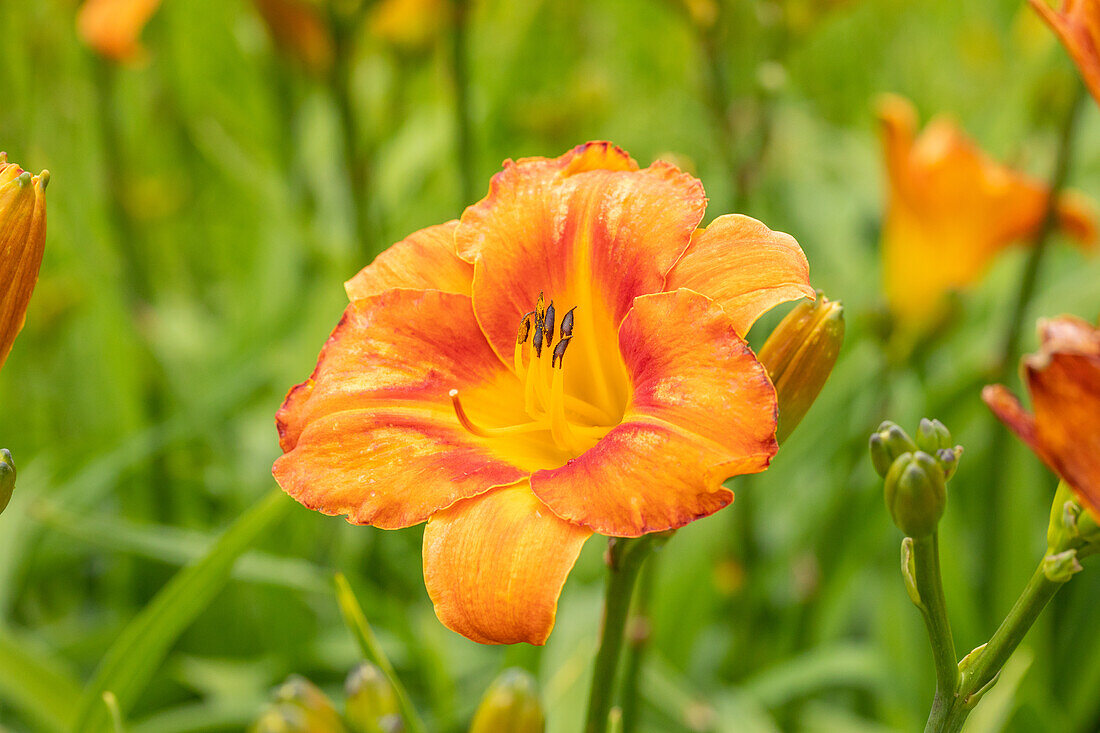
(887, 443)
(799, 356)
(948, 458)
(511, 705)
(932, 436)
(1062, 566)
(1071, 526)
(7, 478)
(916, 494)
(280, 719)
(371, 705)
(299, 695)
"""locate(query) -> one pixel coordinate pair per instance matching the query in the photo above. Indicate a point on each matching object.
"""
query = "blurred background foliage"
(201, 227)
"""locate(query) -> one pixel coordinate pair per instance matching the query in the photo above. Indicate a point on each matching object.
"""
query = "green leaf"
(32, 682)
(138, 652)
(372, 650)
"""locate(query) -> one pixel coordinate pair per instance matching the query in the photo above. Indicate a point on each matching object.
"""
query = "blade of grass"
(372, 650)
(35, 684)
(177, 546)
(139, 650)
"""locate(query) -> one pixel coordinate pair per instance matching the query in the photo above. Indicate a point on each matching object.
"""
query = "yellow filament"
(483, 432)
(559, 425)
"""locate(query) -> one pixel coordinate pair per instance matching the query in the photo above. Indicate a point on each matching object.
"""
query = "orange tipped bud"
(299, 31)
(22, 240)
(799, 356)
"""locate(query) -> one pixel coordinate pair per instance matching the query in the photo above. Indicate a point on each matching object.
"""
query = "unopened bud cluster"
(1073, 534)
(299, 706)
(915, 472)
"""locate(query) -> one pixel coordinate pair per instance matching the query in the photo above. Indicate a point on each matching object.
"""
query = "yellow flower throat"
(540, 365)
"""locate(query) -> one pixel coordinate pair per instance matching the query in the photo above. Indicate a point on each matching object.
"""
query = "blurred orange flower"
(1064, 382)
(950, 210)
(626, 399)
(22, 240)
(1078, 26)
(299, 30)
(112, 27)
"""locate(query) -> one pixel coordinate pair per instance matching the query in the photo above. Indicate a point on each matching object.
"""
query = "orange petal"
(745, 266)
(22, 241)
(425, 260)
(951, 209)
(588, 229)
(1078, 27)
(494, 565)
(1064, 382)
(372, 434)
(112, 27)
(702, 410)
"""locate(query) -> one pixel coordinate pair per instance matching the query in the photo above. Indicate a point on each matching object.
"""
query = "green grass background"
(166, 329)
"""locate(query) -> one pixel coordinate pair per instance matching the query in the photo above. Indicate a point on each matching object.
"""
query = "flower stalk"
(925, 567)
(625, 557)
(460, 76)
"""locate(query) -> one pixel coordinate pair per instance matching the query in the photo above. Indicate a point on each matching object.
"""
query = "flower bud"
(1071, 526)
(317, 714)
(1062, 566)
(948, 458)
(22, 240)
(511, 705)
(916, 494)
(932, 436)
(887, 444)
(7, 478)
(371, 704)
(799, 356)
(299, 31)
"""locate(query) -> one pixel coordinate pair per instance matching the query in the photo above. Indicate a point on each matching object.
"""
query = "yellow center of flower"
(574, 424)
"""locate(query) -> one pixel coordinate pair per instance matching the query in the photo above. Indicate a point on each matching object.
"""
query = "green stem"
(1042, 236)
(638, 635)
(926, 573)
(625, 557)
(355, 158)
(461, 79)
(994, 527)
(985, 668)
(718, 99)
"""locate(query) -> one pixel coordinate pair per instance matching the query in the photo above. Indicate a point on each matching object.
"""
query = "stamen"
(559, 352)
(524, 327)
(567, 323)
(481, 432)
(537, 342)
(560, 429)
(549, 324)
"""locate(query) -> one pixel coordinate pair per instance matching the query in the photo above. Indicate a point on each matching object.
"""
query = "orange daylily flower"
(626, 399)
(22, 241)
(113, 27)
(1063, 379)
(950, 210)
(408, 24)
(299, 31)
(1077, 24)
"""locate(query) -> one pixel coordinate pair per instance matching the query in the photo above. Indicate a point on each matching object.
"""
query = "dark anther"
(567, 323)
(538, 338)
(559, 351)
(524, 328)
(549, 327)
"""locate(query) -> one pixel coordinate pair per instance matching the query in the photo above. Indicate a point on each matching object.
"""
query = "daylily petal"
(425, 260)
(22, 242)
(587, 229)
(372, 434)
(702, 410)
(1064, 382)
(951, 209)
(745, 266)
(494, 565)
(1078, 26)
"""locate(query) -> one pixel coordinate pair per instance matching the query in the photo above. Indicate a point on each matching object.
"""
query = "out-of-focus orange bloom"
(626, 399)
(299, 30)
(1078, 26)
(113, 27)
(409, 24)
(950, 210)
(1063, 379)
(22, 240)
